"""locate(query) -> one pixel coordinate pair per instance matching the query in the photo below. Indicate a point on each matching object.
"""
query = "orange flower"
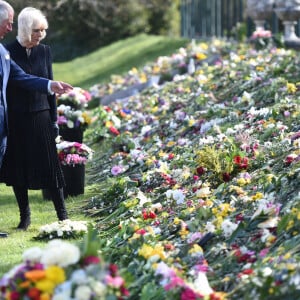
(25, 284)
(35, 275)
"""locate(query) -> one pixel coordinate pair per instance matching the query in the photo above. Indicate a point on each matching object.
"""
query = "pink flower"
(174, 282)
(115, 282)
(89, 260)
(189, 294)
(116, 170)
(264, 252)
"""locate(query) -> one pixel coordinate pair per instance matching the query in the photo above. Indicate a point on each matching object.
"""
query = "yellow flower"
(171, 144)
(150, 161)
(191, 122)
(291, 88)
(237, 189)
(154, 109)
(177, 221)
(290, 225)
(290, 267)
(46, 285)
(270, 177)
(162, 154)
(159, 250)
(109, 124)
(260, 68)
(87, 118)
(241, 181)
(134, 70)
(196, 249)
(143, 78)
(145, 251)
(201, 56)
(155, 69)
(45, 296)
(226, 279)
(218, 221)
(257, 196)
(56, 274)
(183, 232)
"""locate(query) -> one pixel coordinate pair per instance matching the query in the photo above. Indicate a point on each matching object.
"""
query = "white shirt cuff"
(49, 88)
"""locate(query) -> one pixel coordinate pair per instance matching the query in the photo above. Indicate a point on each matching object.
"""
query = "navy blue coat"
(10, 71)
(39, 63)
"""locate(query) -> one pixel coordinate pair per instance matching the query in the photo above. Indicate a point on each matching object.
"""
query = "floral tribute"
(197, 197)
(107, 123)
(78, 98)
(66, 229)
(63, 271)
(71, 118)
(71, 109)
(73, 153)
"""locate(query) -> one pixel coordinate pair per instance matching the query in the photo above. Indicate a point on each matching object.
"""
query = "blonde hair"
(28, 19)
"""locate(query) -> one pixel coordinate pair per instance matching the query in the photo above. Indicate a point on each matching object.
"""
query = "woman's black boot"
(21, 194)
(57, 195)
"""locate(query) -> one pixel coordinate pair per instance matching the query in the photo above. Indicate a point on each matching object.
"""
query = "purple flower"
(116, 170)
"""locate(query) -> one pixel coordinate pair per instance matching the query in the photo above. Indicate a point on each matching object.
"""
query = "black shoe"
(3, 234)
(24, 224)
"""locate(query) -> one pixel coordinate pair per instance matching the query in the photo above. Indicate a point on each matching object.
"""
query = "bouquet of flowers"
(65, 229)
(63, 271)
(70, 118)
(73, 153)
(78, 98)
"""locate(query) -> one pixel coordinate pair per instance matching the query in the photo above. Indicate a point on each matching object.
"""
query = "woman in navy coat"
(31, 160)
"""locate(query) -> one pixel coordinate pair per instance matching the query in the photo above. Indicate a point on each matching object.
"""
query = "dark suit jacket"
(39, 63)
(10, 71)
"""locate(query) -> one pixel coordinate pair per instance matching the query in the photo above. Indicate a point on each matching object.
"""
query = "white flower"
(210, 227)
(202, 285)
(176, 195)
(145, 129)
(203, 192)
(83, 292)
(70, 124)
(58, 252)
(99, 288)
(267, 271)
(228, 227)
(32, 254)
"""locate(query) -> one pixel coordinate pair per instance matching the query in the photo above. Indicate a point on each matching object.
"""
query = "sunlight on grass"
(117, 58)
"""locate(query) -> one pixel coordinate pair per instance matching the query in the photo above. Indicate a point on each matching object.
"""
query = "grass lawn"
(117, 58)
(42, 212)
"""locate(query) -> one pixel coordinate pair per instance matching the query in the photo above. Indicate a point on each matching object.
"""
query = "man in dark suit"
(9, 70)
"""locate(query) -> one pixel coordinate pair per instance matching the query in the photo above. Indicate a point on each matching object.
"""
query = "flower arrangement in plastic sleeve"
(66, 229)
(78, 98)
(73, 153)
(63, 271)
(70, 118)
